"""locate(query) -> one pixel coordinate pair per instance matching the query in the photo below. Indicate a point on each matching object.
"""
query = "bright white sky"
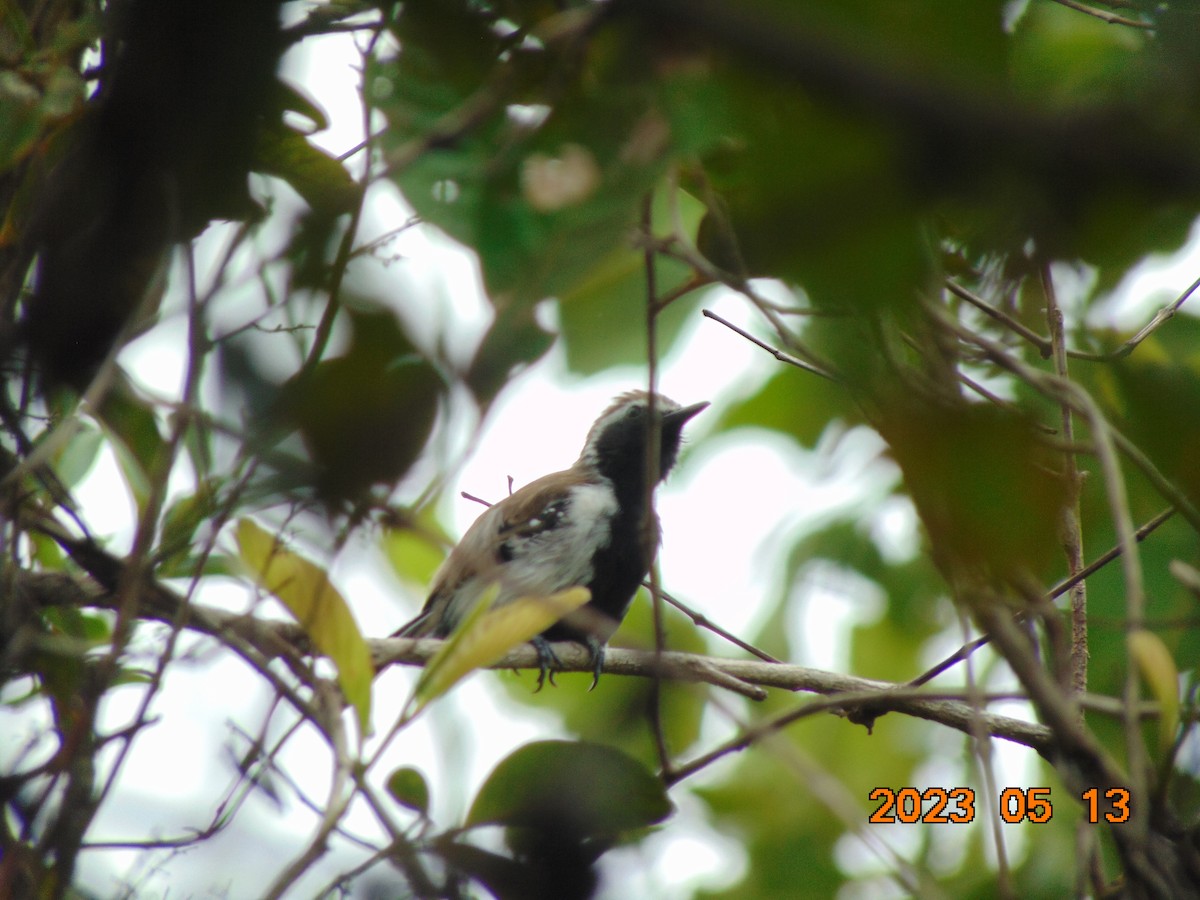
(730, 511)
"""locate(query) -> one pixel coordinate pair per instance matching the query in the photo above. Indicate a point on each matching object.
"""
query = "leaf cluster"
(946, 194)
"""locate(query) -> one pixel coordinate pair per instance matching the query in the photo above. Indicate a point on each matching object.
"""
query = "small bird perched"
(585, 526)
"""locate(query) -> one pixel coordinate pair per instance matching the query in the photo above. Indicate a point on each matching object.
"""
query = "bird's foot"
(548, 661)
(596, 649)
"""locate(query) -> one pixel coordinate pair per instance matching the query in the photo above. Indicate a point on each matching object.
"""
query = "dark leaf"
(133, 427)
(506, 878)
(983, 483)
(409, 788)
(364, 416)
(320, 179)
(589, 789)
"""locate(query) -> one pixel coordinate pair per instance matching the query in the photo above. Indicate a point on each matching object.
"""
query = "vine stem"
(1072, 530)
(653, 450)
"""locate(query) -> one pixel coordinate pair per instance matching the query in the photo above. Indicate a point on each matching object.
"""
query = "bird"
(586, 526)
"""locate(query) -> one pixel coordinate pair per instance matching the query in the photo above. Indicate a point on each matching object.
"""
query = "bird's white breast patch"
(561, 557)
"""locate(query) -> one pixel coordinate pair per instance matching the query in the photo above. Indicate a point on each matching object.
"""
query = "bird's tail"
(421, 626)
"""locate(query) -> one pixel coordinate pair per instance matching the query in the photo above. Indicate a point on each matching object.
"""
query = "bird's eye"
(635, 412)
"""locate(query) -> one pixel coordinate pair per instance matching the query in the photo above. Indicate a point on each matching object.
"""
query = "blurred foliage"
(485, 635)
(304, 588)
(861, 154)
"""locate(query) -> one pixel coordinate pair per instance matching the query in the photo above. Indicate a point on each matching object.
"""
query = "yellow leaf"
(304, 588)
(1158, 671)
(485, 635)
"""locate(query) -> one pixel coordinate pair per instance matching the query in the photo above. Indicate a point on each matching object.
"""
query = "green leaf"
(415, 551)
(365, 416)
(129, 675)
(603, 313)
(189, 565)
(815, 224)
(1157, 668)
(593, 789)
(1156, 392)
(1064, 60)
(485, 635)
(320, 179)
(75, 459)
(46, 552)
(447, 50)
(541, 200)
(304, 588)
(130, 423)
(31, 109)
(793, 402)
(183, 517)
(88, 627)
(973, 471)
(409, 788)
(293, 99)
(514, 339)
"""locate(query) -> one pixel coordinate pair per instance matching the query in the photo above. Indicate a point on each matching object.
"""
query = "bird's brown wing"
(488, 545)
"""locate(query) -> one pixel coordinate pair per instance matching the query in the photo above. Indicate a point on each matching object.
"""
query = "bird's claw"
(596, 649)
(547, 660)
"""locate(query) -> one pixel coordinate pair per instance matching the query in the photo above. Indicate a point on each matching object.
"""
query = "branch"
(869, 701)
(1044, 347)
(878, 696)
(748, 677)
(1071, 525)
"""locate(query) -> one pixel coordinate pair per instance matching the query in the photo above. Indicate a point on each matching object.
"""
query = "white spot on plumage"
(545, 561)
(561, 557)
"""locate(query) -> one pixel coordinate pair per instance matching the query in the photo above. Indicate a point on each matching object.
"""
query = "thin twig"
(778, 354)
(1000, 401)
(1055, 388)
(832, 792)
(1110, 18)
(1105, 558)
(695, 282)
(198, 346)
(1044, 346)
(339, 796)
(1160, 317)
(1057, 591)
(981, 752)
(649, 536)
(681, 246)
(702, 621)
(1090, 763)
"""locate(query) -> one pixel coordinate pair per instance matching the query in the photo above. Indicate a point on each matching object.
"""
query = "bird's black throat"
(619, 566)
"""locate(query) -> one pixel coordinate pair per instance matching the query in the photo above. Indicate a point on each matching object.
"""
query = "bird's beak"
(677, 417)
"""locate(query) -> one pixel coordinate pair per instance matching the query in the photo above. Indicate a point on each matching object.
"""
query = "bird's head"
(616, 443)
